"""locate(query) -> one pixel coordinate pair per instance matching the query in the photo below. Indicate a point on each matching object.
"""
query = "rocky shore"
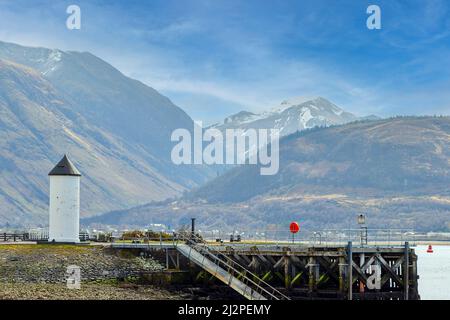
(29, 271)
(90, 291)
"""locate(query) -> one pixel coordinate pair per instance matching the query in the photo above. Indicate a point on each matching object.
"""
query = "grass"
(142, 241)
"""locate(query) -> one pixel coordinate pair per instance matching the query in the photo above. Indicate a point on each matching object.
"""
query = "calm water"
(434, 272)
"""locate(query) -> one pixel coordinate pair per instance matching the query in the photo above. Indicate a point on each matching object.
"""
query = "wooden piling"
(406, 274)
(350, 270)
(287, 273)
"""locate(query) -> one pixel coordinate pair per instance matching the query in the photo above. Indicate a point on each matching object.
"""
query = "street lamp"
(361, 219)
(363, 229)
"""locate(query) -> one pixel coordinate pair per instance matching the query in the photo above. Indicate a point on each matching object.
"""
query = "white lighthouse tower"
(64, 224)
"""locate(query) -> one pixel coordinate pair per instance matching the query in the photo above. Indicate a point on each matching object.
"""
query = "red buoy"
(430, 249)
(294, 227)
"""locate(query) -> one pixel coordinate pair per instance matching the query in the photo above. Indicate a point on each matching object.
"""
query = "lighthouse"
(64, 224)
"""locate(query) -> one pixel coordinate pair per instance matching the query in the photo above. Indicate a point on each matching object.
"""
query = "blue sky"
(214, 58)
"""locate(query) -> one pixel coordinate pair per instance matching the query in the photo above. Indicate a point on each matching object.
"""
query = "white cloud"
(246, 70)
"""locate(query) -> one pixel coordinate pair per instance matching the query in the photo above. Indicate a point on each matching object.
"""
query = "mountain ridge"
(396, 171)
(119, 139)
(290, 116)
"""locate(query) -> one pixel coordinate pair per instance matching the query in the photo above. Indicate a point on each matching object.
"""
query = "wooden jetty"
(294, 271)
(283, 271)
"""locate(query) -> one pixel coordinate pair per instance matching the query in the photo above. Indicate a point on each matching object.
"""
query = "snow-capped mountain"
(290, 116)
(395, 170)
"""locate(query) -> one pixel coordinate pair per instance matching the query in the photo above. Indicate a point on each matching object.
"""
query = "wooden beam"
(350, 270)
(287, 273)
(361, 275)
(329, 267)
(279, 263)
(297, 277)
(388, 269)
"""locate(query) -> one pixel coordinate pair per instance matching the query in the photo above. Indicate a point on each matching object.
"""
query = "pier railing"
(324, 237)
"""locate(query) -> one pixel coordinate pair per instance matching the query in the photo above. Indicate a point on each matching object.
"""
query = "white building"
(64, 224)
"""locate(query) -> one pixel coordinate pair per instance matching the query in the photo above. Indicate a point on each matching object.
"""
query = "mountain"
(115, 129)
(291, 116)
(397, 155)
(396, 171)
(370, 117)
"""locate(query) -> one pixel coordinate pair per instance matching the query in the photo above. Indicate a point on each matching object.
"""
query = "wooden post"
(167, 258)
(312, 274)
(342, 265)
(287, 274)
(350, 270)
(255, 264)
(406, 272)
(293, 274)
(361, 264)
(414, 277)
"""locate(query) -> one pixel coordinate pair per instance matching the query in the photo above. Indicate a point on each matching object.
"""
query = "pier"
(343, 265)
(286, 271)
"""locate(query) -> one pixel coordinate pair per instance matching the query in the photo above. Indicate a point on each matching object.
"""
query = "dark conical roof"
(64, 168)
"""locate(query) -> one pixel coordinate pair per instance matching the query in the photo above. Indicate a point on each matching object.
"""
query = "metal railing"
(13, 237)
(235, 270)
(324, 237)
(34, 235)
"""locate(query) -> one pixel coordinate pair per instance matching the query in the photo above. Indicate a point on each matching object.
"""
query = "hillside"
(397, 171)
(405, 155)
(115, 129)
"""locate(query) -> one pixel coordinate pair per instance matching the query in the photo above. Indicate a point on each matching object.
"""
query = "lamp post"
(363, 229)
(361, 219)
(192, 228)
